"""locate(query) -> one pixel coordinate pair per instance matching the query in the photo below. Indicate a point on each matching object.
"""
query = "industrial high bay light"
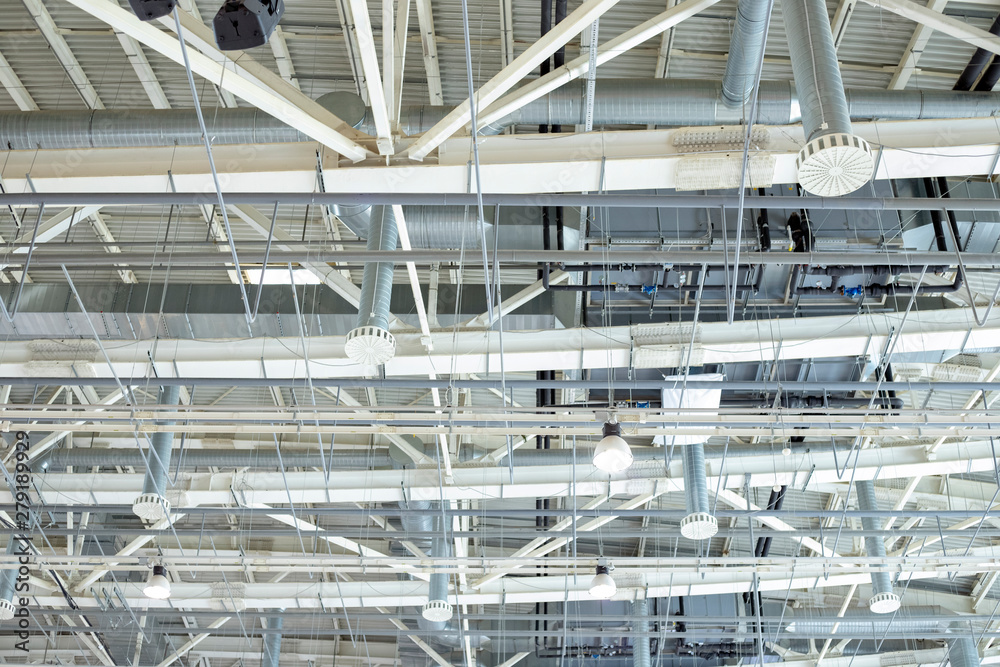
(158, 586)
(602, 586)
(612, 453)
(244, 24)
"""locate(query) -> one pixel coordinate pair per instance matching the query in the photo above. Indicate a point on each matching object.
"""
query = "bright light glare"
(279, 276)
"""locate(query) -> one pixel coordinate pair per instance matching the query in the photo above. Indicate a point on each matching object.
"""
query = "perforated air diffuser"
(835, 164)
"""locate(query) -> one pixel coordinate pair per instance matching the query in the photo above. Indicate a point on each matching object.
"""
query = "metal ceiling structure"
(482, 333)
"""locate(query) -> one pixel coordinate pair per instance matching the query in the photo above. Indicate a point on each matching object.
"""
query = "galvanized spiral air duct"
(699, 524)
(640, 644)
(833, 162)
(446, 633)
(272, 642)
(962, 652)
(665, 102)
(437, 609)
(370, 343)
(745, 48)
(152, 504)
(884, 601)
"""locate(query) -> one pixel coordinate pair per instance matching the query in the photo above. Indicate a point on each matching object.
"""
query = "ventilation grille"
(724, 138)
(901, 658)
(57, 350)
(723, 172)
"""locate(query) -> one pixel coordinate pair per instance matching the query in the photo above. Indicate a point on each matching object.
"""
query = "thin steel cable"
(475, 154)
(211, 164)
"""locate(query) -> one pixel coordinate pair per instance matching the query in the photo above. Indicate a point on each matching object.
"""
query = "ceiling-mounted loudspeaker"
(244, 24)
(147, 10)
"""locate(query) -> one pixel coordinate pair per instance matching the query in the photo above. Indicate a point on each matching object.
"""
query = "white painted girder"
(15, 88)
(324, 127)
(935, 19)
(581, 65)
(509, 76)
(61, 49)
(143, 70)
(282, 56)
(908, 63)
(428, 40)
(373, 78)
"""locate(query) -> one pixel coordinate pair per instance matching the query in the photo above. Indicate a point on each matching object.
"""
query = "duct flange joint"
(372, 346)
(437, 611)
(6, 610)
(884, 603)
(699, 526)
(151, 507)
(835, 164)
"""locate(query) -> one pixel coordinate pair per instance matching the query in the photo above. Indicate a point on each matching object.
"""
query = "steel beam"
(511, 75)
(428, 39)
(15, 88)
(908, 63)
(581, 65)
(143, 70)
(53, 35)
(935, 19)
(373, 79)
(325, 128)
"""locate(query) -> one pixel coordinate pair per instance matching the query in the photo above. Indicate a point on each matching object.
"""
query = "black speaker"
(147, 10)
(244, 24)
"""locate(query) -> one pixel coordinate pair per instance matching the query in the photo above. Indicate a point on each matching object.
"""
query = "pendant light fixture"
(612, 453)
(602, 586)
(158, 586)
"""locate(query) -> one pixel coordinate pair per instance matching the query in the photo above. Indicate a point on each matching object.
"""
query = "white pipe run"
(487, 483)
(640, 346)
(511, 590)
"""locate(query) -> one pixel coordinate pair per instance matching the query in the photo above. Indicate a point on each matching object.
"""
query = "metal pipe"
(640, 644)
(815, 68)
(465, 383)
(977, 62)
(666, 102)
(915, 620)
(699, 524)
(745, 47)
(152, 503)
(622, 200)
(376, 284)
(160, 446)
(223, 458)
(833, 162)
(378, 458)
(438, 611)
(936, 222)
(962, 651)
(215, 261)
(883, 601)
(370, 342)
(272, 642)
